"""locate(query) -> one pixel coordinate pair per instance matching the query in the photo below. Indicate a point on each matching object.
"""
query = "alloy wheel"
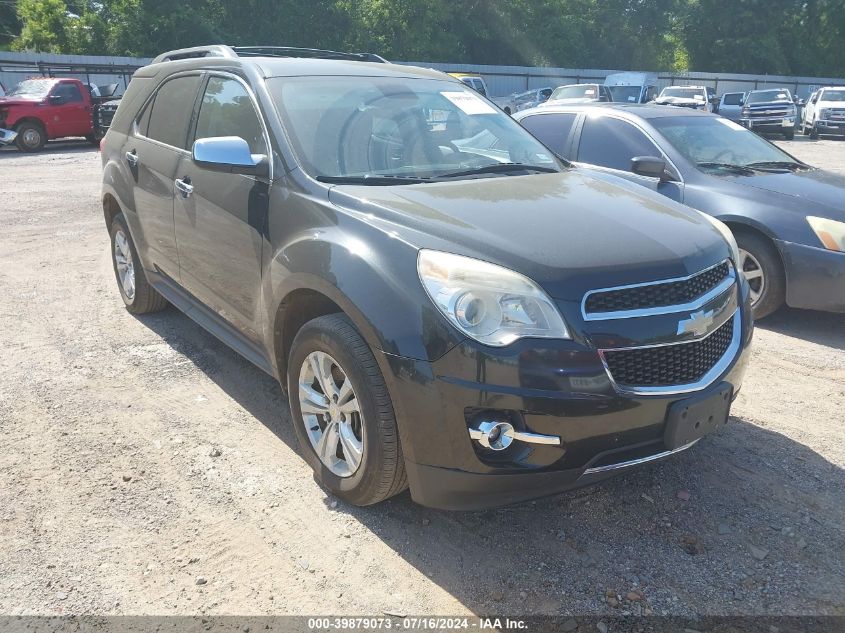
(331, 414)
(125, 264)
(31, 137)
(753, 271)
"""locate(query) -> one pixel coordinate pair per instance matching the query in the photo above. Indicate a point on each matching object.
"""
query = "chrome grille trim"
(709, 378)
(691, 306)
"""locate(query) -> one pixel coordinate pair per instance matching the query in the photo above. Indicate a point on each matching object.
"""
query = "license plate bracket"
(693, 418)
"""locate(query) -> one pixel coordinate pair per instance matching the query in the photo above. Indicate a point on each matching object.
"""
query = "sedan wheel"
(753, 272)
(331, 414)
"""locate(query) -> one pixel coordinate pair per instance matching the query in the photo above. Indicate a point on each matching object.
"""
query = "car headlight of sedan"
(830, 232)
(489, 303)
(729, 238)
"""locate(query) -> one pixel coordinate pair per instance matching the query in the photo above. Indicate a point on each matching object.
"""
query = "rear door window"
(612, 143)
(732, 99)
(552, 130)
(170, 113)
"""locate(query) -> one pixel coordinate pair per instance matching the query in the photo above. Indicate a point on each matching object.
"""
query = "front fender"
(373, 279)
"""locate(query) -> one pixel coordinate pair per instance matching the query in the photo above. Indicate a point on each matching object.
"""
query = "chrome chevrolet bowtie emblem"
(698, 323)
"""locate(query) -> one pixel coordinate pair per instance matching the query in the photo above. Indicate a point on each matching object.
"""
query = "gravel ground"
(147, 469)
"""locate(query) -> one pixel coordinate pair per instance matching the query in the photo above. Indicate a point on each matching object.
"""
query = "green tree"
(44, 26)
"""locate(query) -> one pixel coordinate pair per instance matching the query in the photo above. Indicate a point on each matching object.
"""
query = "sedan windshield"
(579, 91)
(714, 142)
(833, 95)
(32, 88)
(765, 96)
(383, 130)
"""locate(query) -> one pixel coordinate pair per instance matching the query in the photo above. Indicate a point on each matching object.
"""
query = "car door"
(152, 153)
(810, 109)
(221, 218)
(609, 143)
(70, 112)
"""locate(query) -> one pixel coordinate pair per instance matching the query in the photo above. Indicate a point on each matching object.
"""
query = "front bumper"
(815, 277)
(550, 388)
(830, 127)
(778, 124)
(7, 136)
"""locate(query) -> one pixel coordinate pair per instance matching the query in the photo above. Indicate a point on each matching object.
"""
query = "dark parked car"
(770, 111)
(788, 217)
(476, 320)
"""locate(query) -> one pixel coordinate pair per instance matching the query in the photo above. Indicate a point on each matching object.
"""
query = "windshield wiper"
(739, 169)
(373, 179)
(778, 164)
(499, 168)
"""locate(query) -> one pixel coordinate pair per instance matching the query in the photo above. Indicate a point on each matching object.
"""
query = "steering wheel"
(729, 157)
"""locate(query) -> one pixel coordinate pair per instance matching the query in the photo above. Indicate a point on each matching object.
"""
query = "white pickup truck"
(824, 113)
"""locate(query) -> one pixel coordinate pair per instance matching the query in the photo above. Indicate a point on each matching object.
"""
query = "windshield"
(625, 94)
(832, 95)
(405, 128)
(32, 88)
(717, 140)
(580, 91)
(763, 96)
(685, 93)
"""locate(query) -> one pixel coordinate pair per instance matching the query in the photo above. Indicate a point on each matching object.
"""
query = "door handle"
(132, 158)
(184, 186)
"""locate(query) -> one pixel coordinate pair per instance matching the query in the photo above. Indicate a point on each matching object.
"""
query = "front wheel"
(814, 132)
(342, 412)
(31, 137)
(790, 135)
(761, 265)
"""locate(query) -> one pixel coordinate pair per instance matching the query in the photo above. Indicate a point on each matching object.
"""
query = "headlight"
(488, 303)
(830, 232)
(824, 113)
(729, 238)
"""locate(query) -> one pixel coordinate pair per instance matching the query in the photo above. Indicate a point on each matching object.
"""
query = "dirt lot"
(146, 468)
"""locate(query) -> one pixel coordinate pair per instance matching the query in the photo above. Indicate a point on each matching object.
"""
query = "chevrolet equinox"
(448, 306)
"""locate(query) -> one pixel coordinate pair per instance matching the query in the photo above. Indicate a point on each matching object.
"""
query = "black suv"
(448, 306)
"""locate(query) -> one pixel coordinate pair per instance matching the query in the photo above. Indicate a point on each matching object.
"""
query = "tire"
(380, 470)
(771, 288)
(789, 135)
(143, 298)
(94, 139)
(31, 137)
(814, 133)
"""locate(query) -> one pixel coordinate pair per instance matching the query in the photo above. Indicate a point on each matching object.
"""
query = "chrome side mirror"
(229, 154)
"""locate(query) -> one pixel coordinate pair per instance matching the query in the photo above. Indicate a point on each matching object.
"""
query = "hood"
(680, 101)
(570, 232)
(814, 187)
(20, 100)
(837, 105)
(572, 100)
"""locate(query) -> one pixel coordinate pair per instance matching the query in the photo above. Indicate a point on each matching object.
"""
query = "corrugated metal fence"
(501, 80)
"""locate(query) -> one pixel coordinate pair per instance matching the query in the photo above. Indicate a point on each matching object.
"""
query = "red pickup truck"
(41, 109)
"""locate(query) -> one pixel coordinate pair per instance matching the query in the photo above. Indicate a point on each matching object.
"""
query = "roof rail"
(316, 53)
(215, 50)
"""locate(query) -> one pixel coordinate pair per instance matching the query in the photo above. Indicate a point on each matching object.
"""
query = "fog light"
(496, 436)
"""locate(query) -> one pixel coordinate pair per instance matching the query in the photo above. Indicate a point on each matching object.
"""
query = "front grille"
(770, 113)
(838, 114)
(669, 365)
(659, 294)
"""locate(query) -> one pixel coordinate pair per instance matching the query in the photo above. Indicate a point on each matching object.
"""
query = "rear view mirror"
(229, 154)
(650, 166)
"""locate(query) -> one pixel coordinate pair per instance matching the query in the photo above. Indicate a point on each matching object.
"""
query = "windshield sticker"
(469, 103)
(730, 124)
(590, 92)
(781, 95)
(632, 98)
(698, 97)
